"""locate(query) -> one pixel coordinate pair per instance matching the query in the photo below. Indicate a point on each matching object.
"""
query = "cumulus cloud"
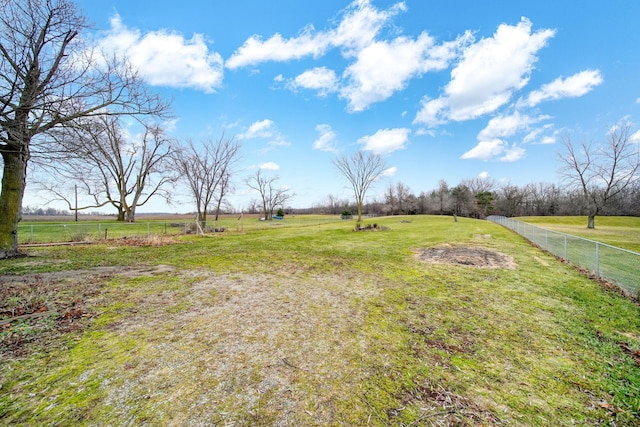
(320, 79)
(261, 129)
(572, 87)
(635, 137)
(489, 72)
(503, 126)
(165, 58)
(385, 67)
(379, 68)
(359, 26)
(386, 141)
(495, 148)
(326, 140)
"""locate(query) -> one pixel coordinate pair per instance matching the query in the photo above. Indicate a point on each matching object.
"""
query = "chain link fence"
(91, 231)
(615, 265)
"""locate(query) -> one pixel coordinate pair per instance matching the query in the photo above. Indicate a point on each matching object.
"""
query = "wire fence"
(91, 231)
(615, 265)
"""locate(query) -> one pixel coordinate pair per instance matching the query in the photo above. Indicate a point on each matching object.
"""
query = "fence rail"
(616, 265)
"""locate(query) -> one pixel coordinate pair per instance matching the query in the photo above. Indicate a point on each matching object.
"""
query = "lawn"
(619, 231)
(418, 321)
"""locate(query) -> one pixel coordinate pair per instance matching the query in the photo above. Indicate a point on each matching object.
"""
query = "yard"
(417, 321)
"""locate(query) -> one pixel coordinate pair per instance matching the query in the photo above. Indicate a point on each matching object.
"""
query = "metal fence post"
(546, 239)
(597, 260)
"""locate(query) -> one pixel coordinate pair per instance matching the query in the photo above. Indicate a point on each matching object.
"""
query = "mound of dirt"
(473, 256)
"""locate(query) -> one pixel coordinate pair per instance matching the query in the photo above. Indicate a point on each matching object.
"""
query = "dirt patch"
(472, 256)
(35, 308)
(277, 348)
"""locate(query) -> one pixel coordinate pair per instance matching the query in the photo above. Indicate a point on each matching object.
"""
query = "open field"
(93, 228)
(620, 231)
(419, 321)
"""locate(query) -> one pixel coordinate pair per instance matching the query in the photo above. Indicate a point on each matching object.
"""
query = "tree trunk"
(202, 219)
(131, 214)
(591, 223)
(13, 186)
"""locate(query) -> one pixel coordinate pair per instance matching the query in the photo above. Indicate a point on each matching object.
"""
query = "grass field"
(406, 324)
(620, 231)
(94, 228)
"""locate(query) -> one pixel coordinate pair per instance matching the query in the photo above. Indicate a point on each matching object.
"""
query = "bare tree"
(601, 172)
(390, 200)
(361, 170)
(207, 171)
(510, 199)
(110, 168)
(271, 195)
(49, 79)
(443, 196)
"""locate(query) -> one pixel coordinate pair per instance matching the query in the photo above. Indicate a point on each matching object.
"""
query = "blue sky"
(442, 89)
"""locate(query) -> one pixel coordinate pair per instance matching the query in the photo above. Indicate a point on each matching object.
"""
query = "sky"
(443, 90)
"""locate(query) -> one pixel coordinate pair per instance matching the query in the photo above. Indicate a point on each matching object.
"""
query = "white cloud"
(261, 129)
(483, 175)
(272, 166)
(277, 48)
(513, 153)
(495, 148)
(386, 141)
(392, 171)
(326, 140)
(506, 125)
(320, 79)
(359, 26)
(383, 68)
(487, 75)
(265, 129)
(635, 137)
(485, 150)
(165, 58)
(572, 87)
(537, 136)
(380, 68)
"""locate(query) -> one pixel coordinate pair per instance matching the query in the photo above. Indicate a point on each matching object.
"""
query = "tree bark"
(13, 186)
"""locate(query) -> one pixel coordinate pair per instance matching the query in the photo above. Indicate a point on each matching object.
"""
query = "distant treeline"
(39, 211)
(478, 198)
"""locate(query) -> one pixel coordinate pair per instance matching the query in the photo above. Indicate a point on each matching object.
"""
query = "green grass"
(619, 231)
(324, 326)
(93, 230)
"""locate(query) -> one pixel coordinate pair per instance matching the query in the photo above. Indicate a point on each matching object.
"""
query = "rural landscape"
(421, 320)
(356, 275)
